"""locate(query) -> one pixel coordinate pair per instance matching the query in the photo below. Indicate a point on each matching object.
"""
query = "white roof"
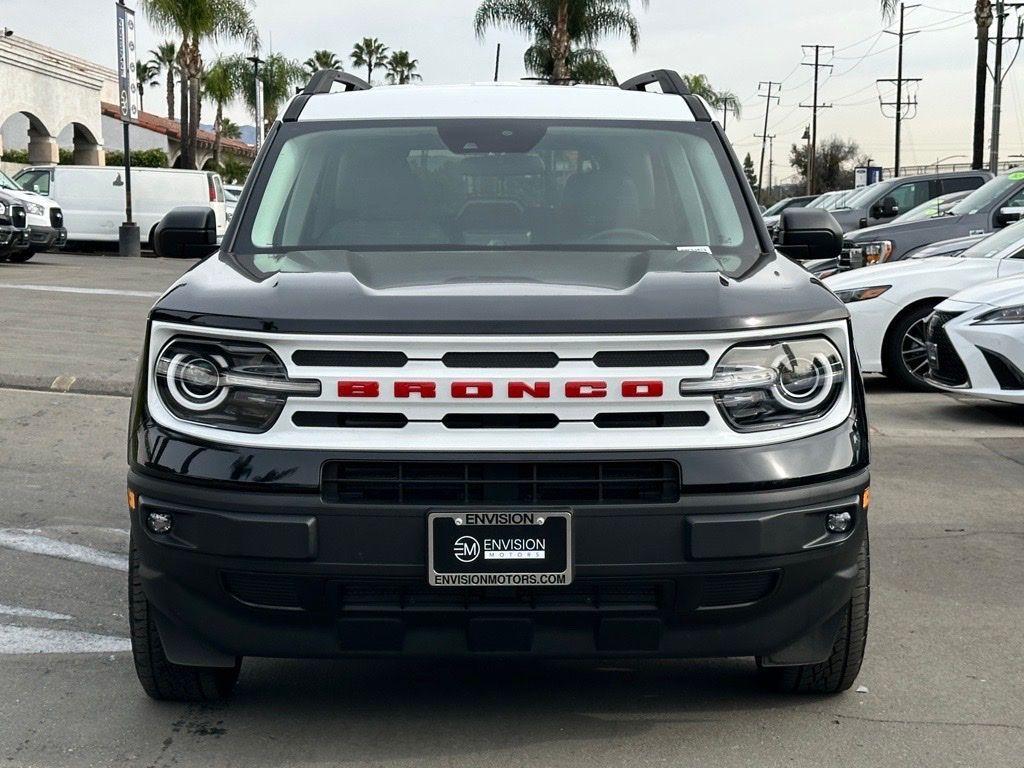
(496, 100)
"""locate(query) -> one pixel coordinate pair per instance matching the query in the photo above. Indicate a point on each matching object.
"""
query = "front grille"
(56, 218)
(349, 359)
(540, 360)
(733, 589)
(500, 483)
(944, 364)
(391, 420)
(500, 360)
(18, 217)
(851, 257)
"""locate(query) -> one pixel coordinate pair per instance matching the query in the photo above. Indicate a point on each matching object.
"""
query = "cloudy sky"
(735, 42)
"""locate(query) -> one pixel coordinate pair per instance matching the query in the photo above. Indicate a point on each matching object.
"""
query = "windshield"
(929, 209)
(778, 207)
(988, 193)
(6, 182)
(1010, 237)
(497, 186)
(857, 198)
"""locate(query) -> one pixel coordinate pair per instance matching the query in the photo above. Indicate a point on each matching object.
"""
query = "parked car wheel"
(20, 257)
(837, 673)
(905, 356)
(160, 678)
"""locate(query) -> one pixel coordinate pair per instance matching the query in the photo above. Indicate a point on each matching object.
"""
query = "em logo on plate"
(467, 549)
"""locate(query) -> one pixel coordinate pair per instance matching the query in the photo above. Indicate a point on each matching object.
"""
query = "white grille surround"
(576, 430)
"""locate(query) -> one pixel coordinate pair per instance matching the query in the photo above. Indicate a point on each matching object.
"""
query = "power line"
(900, 105)
(814, 106)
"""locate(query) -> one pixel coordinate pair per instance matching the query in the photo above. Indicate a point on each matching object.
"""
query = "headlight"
(1004, 316)
(877, 252)
(766, 386)
(34, 209)
(232, 385)
(861, 294)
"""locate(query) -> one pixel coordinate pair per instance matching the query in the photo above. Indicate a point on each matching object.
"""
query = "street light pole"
(258, 98)
(128, 236)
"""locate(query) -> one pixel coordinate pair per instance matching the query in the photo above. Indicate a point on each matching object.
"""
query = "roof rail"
(670, 83)
(322, 82)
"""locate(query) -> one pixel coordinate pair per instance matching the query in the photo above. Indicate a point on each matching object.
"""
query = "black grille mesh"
(946, 366)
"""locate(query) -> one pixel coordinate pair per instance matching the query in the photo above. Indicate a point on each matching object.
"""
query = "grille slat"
(331, 358)
(947, 367)
(508, 483)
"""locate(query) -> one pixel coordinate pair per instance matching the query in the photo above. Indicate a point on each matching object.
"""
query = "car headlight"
(34, 209)
(861, 294)
(1003, 316)
(232, 385)
(766, 386)
(877, 251)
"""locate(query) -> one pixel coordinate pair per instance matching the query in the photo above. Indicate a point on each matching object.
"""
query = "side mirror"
(186, 233)
(809, 233)
(887, 209)
(1009, 215)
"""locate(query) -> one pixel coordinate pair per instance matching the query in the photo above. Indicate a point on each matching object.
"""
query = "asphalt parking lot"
(943, 683)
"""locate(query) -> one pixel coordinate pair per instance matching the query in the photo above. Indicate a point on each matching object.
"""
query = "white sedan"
(890, 303)
(976, 342)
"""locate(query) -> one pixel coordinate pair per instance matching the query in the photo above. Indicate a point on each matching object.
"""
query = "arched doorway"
(24, 130)
(86, 149)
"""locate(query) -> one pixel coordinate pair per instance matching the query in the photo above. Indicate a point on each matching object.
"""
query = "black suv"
(498, 369)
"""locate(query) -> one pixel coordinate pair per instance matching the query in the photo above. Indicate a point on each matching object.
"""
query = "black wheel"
(20, 257)
(161, 679)
(905, 356)
(838, 672)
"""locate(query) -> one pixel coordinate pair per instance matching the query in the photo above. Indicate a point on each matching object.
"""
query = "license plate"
(480, 548)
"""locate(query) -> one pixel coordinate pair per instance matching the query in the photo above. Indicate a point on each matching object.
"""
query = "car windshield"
(778, 207)
(497, 187)
(858, 196)
(929, 209)
(1011, 237)
(988, 193)
(6, 182)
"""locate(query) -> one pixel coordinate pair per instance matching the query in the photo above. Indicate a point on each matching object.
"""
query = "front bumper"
(43, 238)
(13, 238)
(258, 563)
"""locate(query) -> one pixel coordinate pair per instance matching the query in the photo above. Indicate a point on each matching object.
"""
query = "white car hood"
(942, 271)
(1005, 292)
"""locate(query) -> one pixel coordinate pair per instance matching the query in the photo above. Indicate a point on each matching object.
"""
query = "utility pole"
(770, 84)
(814, 106)
(497, 62)
(771, 157)
(727, 102)
(900, 105)
(998, 75)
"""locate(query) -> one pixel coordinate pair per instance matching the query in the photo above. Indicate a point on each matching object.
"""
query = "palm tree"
(402, 69)
(561, 25)
(220, 86)
(229, 129)
(145, 75)
(719, 100)
(322, 60)
(585, 65)
(165, 57)
(369, 53)
(278, 74)
(199, 21)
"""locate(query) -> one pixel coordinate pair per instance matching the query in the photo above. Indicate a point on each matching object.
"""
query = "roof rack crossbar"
(670, 83)
(322, 82)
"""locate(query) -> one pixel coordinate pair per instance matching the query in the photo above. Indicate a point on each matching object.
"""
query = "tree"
(370, 53)
(165, 58)
(561, 26)
(229, 129)
(701, 86)
(220, 85)
(402, 69)
(233, 170)
(748, 171)
(585, 65)
(145, 74)
(831, 169)
(322, 60)
(197, 22)
(278, 75)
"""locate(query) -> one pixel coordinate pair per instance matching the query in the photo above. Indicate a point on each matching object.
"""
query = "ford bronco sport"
(497, 370)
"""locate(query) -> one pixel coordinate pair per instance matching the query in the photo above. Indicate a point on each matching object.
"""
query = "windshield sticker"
(1016, 176)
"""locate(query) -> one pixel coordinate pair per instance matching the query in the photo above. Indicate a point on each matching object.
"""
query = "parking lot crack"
(938, 723)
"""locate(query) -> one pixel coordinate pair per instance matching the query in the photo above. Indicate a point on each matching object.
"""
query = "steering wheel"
(625, 236)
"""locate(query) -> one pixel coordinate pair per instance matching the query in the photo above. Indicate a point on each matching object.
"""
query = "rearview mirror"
(1009, 215)
(809, 233)
(186, 233)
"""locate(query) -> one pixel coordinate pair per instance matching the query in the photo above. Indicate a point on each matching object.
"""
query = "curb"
(67, 384)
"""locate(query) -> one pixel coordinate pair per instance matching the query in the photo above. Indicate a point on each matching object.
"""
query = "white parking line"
(35, 640)
(23, 540)
(75, 289)
(32, 613)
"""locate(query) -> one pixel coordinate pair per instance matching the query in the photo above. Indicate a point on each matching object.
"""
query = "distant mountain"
(248, 132)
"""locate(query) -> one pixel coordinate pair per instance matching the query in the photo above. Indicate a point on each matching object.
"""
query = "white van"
(92, 197)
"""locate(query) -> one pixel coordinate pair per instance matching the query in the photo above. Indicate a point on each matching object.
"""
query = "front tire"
(905, 356)
(837, 673)
(161, 679)
(20, 257)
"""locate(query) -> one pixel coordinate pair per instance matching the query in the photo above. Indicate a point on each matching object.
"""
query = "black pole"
(899, 96)
(497, 62)
(128, 238)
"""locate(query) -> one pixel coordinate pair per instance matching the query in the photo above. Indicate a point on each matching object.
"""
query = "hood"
(1005, 292)
(946, 247)
(885, 231)
(883, 274)
(848, 218)
(465, 293)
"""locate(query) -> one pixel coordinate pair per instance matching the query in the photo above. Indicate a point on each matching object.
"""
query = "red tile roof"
(172, 129)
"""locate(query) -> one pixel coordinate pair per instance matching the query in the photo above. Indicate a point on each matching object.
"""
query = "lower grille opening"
(270, 590)
(947, 367)
(500, 421)
(1006, 373)
(349, 420)
(500, 483)
(723, 590)
(652, 420)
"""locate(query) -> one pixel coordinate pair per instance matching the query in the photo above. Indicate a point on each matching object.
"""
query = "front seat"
(596, 201)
